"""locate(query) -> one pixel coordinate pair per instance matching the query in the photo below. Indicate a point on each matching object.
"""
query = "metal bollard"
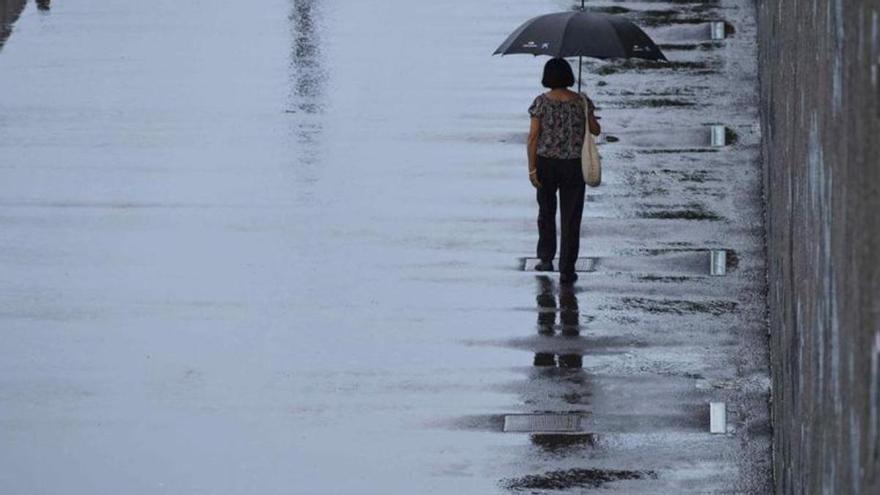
(718, 30)
(718, 262)
(719, 137)
(717, 417)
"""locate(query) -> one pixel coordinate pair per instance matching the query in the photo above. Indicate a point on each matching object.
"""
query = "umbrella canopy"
(581, 34)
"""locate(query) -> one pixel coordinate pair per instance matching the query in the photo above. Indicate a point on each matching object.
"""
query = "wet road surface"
(278, 247)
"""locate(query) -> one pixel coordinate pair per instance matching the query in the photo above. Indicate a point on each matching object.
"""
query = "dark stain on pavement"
(715, 307)
(653, 103)
(663, 279)
(573, 478)
(691, 211)
(635, 65)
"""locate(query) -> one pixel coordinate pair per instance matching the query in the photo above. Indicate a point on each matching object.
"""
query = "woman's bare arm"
(532, 149)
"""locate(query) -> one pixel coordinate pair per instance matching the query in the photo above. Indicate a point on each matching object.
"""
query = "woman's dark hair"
(557, 74)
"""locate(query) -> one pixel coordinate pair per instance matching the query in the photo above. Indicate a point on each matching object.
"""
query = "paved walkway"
(276, 247)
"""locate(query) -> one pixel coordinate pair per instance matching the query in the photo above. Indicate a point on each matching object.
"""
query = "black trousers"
(565, 176)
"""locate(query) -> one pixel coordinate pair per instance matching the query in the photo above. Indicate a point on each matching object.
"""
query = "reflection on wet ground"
(309, 79)
(307, 63)
(558, 324)
(9, 12)
(569, 322)
(567, 309)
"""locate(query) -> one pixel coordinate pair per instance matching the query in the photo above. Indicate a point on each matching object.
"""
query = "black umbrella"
(580, 33)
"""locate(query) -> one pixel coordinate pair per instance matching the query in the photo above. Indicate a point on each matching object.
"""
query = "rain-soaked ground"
(277, 247)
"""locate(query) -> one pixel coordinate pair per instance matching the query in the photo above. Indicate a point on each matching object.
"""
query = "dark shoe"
(567, 277)
(544, 266)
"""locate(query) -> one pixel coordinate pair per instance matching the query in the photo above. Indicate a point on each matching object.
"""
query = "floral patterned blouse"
(563, 125)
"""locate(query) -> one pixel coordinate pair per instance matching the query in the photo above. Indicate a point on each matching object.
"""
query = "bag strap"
(586, 114)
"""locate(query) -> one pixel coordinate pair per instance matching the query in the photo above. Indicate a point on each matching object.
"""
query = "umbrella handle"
(579, 73)
(579, 59)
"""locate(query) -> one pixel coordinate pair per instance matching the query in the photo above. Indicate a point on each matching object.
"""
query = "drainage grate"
(543, 423)
(581, 265)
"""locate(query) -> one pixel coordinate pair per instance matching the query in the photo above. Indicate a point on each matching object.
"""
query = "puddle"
(573, 478)
(568, 309)
(549, 359)
(475, 422)
(557, 443)
(658, 265)
(563, 350)
(732, 258)
(587, 264)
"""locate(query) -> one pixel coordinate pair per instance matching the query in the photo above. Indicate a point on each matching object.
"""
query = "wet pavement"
(279, 247)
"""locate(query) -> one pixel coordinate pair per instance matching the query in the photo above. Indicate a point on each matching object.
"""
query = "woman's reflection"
(569, 321)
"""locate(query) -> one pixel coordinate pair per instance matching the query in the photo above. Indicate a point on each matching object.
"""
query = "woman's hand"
(533, 178)
(532, 150)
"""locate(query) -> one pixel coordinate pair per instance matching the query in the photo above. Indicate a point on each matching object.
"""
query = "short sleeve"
(589, 101)
(536, 109)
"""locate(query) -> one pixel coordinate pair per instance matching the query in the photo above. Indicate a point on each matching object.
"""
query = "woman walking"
(556, 136)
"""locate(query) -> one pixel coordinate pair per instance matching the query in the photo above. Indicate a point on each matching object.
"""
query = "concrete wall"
(821, 125)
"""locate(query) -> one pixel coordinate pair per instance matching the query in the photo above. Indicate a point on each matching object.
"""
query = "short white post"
(719, 137)
(717, 417)
(718, 30)
(718, 262)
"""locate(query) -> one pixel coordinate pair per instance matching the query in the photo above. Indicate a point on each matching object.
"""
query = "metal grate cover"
(543, 423)
(581, 265)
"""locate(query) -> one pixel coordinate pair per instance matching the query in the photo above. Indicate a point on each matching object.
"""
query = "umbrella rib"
(514, 36)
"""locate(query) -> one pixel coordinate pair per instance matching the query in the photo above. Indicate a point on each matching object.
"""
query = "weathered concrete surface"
(821, 123)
